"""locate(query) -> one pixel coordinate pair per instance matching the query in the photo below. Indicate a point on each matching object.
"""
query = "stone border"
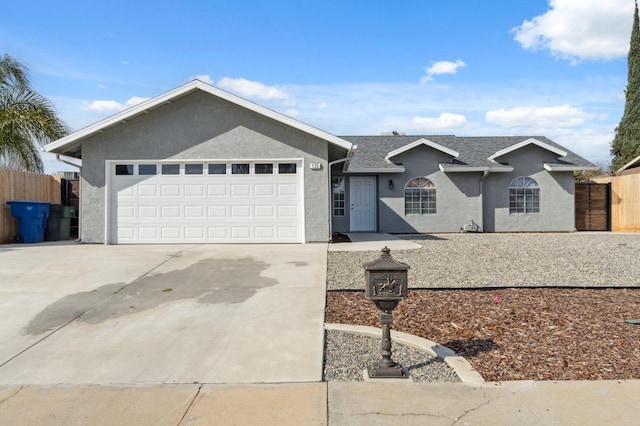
(460, 365)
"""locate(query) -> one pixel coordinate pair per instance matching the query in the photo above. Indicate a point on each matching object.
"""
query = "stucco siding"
(557, 211)
(457, 195)
(202, 127)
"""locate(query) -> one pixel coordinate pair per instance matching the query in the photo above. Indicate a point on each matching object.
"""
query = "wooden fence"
(625, 201)
(592, 206)
(15, 185)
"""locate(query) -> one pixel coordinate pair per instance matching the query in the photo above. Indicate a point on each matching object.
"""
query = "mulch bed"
(518, 333)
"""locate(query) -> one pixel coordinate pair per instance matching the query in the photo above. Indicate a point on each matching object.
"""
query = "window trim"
(529, 198)
(426, 189)
(338, 200)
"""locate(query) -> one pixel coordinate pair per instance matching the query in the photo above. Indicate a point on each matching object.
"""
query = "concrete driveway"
(73, 313)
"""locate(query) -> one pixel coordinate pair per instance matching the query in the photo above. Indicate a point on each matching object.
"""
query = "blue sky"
(496, 67)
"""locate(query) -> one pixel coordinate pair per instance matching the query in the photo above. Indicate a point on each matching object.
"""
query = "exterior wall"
(458, 197)
(201, 126)
(557, 210)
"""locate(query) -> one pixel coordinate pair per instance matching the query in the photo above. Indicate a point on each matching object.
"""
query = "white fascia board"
(419, 142)
(186, 88)
(568, 168)
(530, 141)
(376, 170)
(462, 169)
(503, 169)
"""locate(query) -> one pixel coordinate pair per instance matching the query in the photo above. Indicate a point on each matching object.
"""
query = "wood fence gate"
(593, 206)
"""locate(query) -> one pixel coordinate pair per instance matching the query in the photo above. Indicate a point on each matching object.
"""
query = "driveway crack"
(193, 400)
(489, 400)
(13, 395)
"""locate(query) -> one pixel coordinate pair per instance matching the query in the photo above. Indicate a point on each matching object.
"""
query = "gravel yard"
(472, 300)
(504, 260)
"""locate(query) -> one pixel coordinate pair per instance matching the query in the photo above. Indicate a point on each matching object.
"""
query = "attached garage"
(200, 165)
(206, 202)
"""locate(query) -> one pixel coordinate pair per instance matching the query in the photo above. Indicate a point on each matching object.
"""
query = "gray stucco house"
(198, 164)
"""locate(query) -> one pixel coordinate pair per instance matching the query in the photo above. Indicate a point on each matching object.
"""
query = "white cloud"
(580, 29)
(204, 78)
(252, 89)
(445, 122)
(533, 116)
(101, 86)
(292, 112)
(442, 67)
(110, 107)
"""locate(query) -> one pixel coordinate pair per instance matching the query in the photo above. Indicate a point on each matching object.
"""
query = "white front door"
(362, 198)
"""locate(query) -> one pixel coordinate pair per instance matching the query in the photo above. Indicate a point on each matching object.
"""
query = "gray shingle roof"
(474, 151)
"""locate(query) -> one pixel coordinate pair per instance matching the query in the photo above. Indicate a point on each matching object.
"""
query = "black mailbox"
(386, 278)
(386, 285)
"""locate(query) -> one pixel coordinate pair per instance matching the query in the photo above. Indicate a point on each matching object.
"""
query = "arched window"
(419, 196)
(524, 196)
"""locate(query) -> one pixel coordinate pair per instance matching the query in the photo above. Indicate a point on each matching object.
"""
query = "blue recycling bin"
(32, 219)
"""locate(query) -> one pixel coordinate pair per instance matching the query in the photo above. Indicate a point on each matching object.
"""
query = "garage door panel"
(197, 232)
(171, 212)
(264, 232)
(287, 232)
(288, 189)
(218, 208)
(240, 189)
(240, 232)
(217, 190)
(287, 211)
(148, 212)
(126, 232)
(217, 233)
(171, 190)
(171, 232)
(264, 190)
(194, 190)
(146, 190)
(148, 233)
(241, 211)
(264, 212)
(194, 212)
(218, 212)
(126, 212)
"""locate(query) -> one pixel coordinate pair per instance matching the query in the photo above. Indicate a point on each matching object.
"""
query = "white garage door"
(206, 202)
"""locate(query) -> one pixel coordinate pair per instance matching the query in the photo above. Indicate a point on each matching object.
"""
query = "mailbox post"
(386, 285)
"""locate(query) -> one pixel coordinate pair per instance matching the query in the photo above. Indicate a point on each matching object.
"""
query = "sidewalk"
(335, 403)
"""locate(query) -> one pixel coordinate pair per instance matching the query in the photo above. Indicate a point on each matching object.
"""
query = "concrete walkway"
(373, 241)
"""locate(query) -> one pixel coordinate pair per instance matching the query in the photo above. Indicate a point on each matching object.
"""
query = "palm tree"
(27, 119)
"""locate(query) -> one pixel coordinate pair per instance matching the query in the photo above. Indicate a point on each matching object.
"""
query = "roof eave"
(374, 170)
(419, 142)
(462, 169)
(568, 167)
(168, 97)
(530, 141)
